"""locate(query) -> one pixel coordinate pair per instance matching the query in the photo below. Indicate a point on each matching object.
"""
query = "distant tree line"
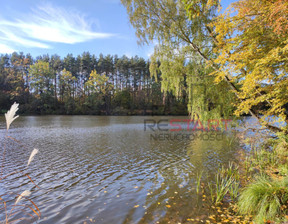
(86, 84)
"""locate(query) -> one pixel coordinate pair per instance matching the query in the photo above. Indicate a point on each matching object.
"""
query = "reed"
(222, 186)
(226, 184)
(198, 181)
(11, 201)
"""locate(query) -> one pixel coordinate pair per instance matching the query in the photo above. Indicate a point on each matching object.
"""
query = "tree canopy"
(181, 40)
(239, 56)
(252, 45)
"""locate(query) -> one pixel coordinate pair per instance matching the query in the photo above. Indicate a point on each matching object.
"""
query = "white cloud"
(11, 37)
(4, 49)
(49, 24)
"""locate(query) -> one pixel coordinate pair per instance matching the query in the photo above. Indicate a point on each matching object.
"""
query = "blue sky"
(69, 26)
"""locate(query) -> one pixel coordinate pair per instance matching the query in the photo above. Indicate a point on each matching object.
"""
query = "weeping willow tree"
(184, 73)
(182, 45)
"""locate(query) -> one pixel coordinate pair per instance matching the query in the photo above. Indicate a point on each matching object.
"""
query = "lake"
(111, 170)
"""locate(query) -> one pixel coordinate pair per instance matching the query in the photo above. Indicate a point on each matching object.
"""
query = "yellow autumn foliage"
(252, 46)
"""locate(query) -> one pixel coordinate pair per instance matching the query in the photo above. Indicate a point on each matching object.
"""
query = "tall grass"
(264, 158)
(226, 184)
(12, 202)
(266, 199)
(222, 186)
(198, 181)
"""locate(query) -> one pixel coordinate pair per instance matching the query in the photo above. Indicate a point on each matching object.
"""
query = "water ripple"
(107, 169)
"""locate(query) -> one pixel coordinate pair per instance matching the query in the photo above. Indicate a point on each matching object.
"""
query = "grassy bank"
(255, 190)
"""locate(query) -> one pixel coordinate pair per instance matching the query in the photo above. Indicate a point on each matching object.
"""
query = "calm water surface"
(109, 170)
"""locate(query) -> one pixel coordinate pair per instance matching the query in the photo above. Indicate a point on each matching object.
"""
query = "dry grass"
(12, 204)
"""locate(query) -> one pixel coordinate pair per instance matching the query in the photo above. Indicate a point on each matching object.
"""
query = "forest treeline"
(86, 84)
